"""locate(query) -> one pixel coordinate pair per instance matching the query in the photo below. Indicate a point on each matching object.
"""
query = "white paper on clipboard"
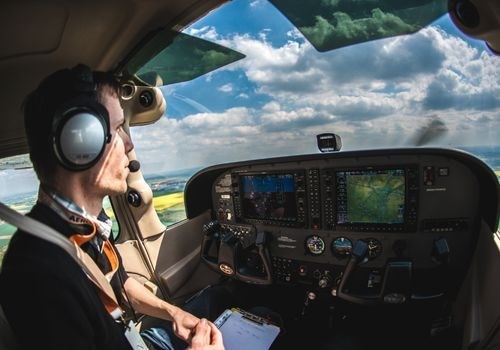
(243, 331)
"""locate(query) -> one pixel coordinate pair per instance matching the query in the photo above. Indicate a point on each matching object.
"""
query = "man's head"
(69, 97)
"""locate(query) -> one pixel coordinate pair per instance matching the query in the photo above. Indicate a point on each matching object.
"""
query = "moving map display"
(269, 197)
(370, 196)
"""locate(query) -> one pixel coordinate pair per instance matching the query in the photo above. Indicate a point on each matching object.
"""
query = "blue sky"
(272, 103)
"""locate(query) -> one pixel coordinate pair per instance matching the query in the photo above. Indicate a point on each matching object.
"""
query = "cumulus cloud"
(431, 69)
(377, 94)
(277, 119)
(206, 32)
(295, 34)
(255, 3)
(474, 84)
(296, 67)
(226, 88)
(206, 122)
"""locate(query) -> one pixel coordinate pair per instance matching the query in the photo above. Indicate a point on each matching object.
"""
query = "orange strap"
(100, 280)
(80, 239)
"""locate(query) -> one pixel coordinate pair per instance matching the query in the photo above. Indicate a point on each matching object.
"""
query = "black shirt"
(49, 301)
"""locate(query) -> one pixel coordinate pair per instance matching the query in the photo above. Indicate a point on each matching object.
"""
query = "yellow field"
(164, 202)
(160, 203)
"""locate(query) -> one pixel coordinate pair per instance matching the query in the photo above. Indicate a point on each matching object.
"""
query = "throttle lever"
(261, 238)
(261, 243)
(359, 252)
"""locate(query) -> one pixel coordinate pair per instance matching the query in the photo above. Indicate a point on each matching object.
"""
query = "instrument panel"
(417, 213)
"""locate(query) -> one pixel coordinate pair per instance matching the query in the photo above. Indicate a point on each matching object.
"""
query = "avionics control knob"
(324, 281)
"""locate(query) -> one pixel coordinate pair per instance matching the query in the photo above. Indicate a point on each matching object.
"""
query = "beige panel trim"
(132, 259)
(144, 215)
(174, 269)
(153, 247)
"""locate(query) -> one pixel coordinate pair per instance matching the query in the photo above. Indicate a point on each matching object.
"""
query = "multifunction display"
(381, 199)
(371, 196)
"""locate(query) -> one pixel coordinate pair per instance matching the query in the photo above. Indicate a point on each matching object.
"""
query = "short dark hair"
(41, 105)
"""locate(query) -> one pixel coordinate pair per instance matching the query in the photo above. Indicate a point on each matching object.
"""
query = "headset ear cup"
(80, 134)
(80, 127)
(81, 140)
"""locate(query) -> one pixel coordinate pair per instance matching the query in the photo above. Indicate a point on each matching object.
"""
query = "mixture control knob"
(324, 281)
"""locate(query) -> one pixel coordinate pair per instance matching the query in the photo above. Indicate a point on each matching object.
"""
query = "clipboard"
(242, 330)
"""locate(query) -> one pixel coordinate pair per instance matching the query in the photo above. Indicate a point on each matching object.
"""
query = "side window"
(108, 209)
(18, 190)
(166, 180)
(168, 196)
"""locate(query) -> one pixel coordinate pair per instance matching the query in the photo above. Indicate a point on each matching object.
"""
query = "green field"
(376, 198)
(6, 230)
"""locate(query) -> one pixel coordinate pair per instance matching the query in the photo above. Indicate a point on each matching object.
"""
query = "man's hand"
(206, 337)
(183, 324)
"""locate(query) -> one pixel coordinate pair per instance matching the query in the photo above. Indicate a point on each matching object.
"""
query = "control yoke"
(396, 287)
(223, 249)
(359, 252)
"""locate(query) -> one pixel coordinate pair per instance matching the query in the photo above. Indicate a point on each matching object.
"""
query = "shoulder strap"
(48, 234)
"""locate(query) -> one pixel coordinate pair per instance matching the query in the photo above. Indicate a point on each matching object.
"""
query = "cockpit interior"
(378, 247)
(390, 233)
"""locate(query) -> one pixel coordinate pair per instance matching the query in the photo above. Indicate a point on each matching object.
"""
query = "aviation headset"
(80, 126)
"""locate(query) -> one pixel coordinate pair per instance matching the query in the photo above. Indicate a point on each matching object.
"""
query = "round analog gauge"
(315, 245)
(341, 247)
(374, 248)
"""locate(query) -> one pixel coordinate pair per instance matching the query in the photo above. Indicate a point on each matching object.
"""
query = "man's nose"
(129, 145)
(125, 137)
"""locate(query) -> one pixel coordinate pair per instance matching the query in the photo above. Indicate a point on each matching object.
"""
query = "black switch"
(441, 251)
(429, 176)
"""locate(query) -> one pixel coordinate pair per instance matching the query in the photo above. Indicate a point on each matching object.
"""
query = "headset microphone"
(134, 166)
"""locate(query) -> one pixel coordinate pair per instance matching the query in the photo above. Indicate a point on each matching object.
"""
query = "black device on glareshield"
(80, 127)
(329, 142)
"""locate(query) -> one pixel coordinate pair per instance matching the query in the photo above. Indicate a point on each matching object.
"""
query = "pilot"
(78, 146)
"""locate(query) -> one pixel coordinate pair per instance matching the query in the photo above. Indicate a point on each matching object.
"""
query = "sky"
(374, 95)
(378, 94)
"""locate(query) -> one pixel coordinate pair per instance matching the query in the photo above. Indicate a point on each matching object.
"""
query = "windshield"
(431, 88)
